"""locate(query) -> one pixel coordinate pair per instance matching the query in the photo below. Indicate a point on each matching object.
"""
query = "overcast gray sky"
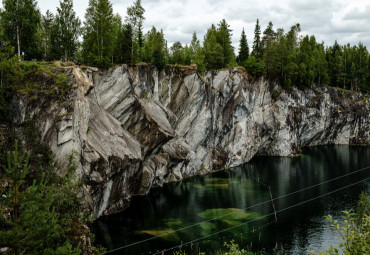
(342, 20)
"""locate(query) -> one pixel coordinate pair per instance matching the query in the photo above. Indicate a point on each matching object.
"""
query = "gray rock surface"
(134, 128)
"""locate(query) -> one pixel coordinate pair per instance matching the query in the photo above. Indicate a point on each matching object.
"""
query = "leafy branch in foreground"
(354, 230)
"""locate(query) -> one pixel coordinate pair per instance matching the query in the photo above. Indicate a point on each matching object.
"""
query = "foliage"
(65, 32)
(8, 71)
(20, 21)
(99, 34)
(257, 47)
(135, 18)
(45, 34)
(243, 49)
(254, 66)
(35, 218)
(354, 229)
(233, 249)
(213, 52)
(154, 50)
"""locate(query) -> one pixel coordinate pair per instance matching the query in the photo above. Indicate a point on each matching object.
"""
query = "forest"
(105, 39)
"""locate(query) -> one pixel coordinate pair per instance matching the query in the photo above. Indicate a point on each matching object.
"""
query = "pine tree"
(21, 20)
(99, 34)
(135, 17)
(243, 48)
(65, 32)
(257, 47)
(40, 214)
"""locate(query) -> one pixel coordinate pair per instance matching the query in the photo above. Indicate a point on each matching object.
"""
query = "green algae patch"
(172, 222)
(207, 225)
(212, 186)
(232, 223)
(165, 234)
(228, 214)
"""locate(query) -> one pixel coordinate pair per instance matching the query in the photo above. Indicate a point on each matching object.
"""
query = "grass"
(46, 77)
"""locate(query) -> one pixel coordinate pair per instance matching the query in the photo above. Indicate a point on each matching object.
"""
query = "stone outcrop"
(134, 128)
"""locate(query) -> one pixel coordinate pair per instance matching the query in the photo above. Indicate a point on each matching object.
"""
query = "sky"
(347, 21)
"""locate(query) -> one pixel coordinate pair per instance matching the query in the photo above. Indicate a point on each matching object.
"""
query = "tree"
(99, 34)
(46, 25)
(257, 47)
(177, 53)
(268, 36)
(223, 36)
(213, 52)
(194, 45)
(124, 44)
(243, 48)
(20, 21)
(254, 66)
(199, 60)
(37, 219)
(135, 17)
(65, 31)
(9, 66)
(154, 50)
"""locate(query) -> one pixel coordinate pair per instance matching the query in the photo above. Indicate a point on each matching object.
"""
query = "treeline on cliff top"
(107, 39)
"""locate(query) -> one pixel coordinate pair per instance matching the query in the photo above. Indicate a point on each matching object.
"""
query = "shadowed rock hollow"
(134, 128)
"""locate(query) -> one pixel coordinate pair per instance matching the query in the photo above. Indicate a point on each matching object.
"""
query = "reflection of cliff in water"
(197, 199)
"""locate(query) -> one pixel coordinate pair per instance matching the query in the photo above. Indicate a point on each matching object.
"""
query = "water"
(204, 200)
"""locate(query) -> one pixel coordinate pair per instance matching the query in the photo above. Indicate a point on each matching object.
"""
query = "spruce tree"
(243, 48)
(126, 43)
(20, 21)
(99, 34)
(257, 47)
(65, 32)
(268, 36)
(223, 36)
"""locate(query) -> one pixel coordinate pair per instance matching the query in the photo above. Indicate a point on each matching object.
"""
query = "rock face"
(133, 128)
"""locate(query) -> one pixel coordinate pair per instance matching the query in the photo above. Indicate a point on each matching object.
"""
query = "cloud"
(342, 20)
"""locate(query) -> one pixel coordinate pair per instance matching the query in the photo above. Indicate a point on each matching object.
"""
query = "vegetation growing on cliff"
(287, 57)
(40, 210)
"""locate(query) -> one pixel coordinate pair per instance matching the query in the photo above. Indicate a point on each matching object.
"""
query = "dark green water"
(204, 200)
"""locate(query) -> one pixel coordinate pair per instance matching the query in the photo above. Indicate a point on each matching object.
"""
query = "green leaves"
(353, 228)
(99, 34)
(20, 22)
(65, 32)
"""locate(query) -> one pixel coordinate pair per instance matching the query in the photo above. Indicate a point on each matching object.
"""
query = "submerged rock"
(134, 128)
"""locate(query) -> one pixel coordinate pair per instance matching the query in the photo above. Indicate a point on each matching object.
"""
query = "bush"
(254, 66)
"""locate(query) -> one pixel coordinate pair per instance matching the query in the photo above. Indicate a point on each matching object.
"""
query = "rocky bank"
(134, 128)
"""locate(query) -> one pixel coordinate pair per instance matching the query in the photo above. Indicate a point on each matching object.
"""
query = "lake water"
(236, 205)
